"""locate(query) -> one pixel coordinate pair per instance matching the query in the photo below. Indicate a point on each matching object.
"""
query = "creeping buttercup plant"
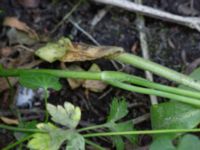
(51, 137)
(169, 120)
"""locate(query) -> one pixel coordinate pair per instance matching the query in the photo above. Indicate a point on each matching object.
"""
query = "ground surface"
(171, 45)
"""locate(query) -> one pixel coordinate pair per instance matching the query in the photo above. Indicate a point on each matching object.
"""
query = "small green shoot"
(118, 110)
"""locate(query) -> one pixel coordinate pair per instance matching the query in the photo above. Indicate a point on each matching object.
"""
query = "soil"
(170, 45)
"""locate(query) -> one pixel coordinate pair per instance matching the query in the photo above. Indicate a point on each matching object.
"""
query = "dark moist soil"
(169, 45)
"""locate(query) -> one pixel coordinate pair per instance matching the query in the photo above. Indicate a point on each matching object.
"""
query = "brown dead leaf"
(83, 52)
(75, 83)
(93, 85)
(66, 51)
(13, 22)
(23, 60)
(19, 37)
(5, 51)
(90, 85)
(9, 121)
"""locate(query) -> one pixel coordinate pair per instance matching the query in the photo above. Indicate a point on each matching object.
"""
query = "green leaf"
(171, 115)
(118, 142)
(124, 126)
(68, 116)
(40, 141)
(52, 139)
(1, 67)
(189, 142)
(38, 80)
(120, 127)
(118, 110)
(163, 143)
(28, 125)
(76, 142)
(195, 75)
(127, 126)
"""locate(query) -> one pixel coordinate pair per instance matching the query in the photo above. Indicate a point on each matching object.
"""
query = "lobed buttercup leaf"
(162, 143)
(187, 142)
(174, 115)
(52, 137)
(76, 142)
(40, 141)
(38, 80)
(171, 115)
(68, 116)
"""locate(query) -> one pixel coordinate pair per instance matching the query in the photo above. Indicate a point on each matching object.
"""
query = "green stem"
(45, 102)
(12, 145)
(94, 145)
(101, 76)
(16, 129)
(132, 88)
(58, 73)
(92, 127)
(111, 78)
(164, 131)
(157, 69)
(122, 77)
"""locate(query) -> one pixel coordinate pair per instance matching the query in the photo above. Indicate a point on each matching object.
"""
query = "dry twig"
(144, 48)
(99, 16)
(66, 16)
(141, 119)
(191, 22)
